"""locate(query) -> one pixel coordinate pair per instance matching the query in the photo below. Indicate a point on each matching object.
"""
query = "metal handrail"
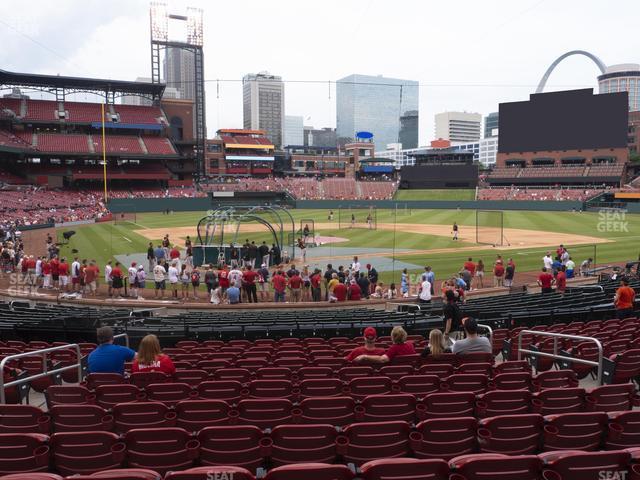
(45, 372)
(126, 338)
(555, 355)
(482, 325)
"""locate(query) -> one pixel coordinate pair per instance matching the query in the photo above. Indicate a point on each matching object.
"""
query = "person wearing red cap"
(369, 347)
(399, 348)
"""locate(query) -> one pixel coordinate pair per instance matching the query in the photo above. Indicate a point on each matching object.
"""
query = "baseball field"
(401, 239)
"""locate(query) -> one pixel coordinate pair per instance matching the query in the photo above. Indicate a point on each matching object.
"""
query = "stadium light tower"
(159, 22)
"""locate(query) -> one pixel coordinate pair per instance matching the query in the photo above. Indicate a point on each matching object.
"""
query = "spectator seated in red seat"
(151, 359)
(369, 348)
(399, 348)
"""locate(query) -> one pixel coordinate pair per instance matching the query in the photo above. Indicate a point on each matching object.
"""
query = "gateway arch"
(599, 63)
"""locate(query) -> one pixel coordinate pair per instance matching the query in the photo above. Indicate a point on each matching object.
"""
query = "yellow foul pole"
(104, 157)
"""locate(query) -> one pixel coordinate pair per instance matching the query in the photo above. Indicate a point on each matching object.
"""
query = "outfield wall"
(119, 205)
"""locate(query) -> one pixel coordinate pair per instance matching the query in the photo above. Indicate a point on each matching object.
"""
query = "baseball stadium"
(181, 304)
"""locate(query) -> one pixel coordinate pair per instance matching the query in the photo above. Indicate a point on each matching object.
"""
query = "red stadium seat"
(68, 395)
(510, 434)
(265, 413)
(241, 375)
(612, 398)
(374, 440)
(142, 379)
(404, 469)
(333, 410)
(303, 444)
(107, 396)
(441, 370)
(128, 416)
(361, 387)
(170, 393)
(446, 405)
(347, 374)
(503, 402)
(161, 449)
(511, 381)
(228, 390)
(270, 389)
(623, 430)
(237, 445)
(86, 452)
(379, 408)
(274, 373)
(552, 401)
(418, 385)
(32, 476)
(444, 438)
(191, 377)
(23, 419)
(80, 418)
(192, 415)
(512, 366)
(310, 471)
(465, 382)
(622, 368)
(23, 452)
(306, 373)
(320, 387)
(555, 379)
(395, 372)
(574, 431)
(211, 472)
(93, 380)
(496, 467)
(122, 474)
(572, 464)
(483, 368)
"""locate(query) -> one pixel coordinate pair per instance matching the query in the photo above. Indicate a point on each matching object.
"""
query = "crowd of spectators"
(537, 194)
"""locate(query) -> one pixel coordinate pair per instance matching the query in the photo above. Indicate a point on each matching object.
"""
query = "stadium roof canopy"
(74, 84)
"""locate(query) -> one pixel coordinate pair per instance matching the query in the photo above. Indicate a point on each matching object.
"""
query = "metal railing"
(45, 371)
(122, 335)
(487, 327)
(555, 354)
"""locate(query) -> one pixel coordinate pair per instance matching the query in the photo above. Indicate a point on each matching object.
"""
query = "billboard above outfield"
(566, 120)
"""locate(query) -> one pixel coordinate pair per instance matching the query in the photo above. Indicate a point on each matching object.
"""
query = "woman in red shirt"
(399, 348)
(151, 359)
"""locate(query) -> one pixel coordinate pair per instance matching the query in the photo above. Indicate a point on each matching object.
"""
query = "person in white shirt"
(38, 271)
(355, 267)
(216, 295)
(173, 275)
(133, 277)
(425, 292)
(107, 277)
(547, 261)
(159, 280)
(75, 274)
(564, 258)
(235, 276)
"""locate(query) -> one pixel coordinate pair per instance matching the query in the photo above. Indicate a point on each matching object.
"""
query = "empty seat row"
(121, 411)
(173, 449)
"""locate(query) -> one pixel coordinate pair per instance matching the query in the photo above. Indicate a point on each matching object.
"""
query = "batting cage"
(358, 216)
(490, 228)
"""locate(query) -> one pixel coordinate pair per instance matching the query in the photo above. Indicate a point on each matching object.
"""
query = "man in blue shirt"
(159, 253)
(233, 294)
(109, 358)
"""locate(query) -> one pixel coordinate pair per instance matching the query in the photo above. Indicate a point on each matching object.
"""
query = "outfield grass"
(102, 241)
(436, 194)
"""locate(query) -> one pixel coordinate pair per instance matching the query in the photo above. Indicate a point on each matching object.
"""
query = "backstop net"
(358, 216)
(124, 217)
(490, 227)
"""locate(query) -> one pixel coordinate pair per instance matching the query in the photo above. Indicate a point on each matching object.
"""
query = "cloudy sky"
(467, 54)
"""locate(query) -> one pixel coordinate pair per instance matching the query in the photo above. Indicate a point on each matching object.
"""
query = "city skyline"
(453, 74)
